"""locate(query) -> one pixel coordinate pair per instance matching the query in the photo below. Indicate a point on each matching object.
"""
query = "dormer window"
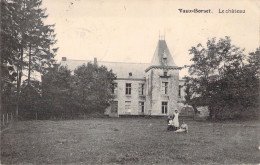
(165, 61)
(130, 74)
(164, 57)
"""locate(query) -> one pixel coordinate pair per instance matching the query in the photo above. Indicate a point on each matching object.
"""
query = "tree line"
(223, 78)
(31, 80)
(86, 91)
(26, 48)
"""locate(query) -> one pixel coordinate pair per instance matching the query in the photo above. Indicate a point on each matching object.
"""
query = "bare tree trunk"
(19, 79)
(29, 71)
(212, 112)
(195, 111)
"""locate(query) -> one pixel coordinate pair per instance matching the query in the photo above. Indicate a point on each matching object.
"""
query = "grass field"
(129, 141)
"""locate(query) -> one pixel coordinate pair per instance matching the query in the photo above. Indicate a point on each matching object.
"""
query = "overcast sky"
(128, 30)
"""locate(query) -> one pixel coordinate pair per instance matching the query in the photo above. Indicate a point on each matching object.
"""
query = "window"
(114, 88)
(164, 107)
(164, 57)
(165, 74)
(128, 88)
(165, 61)
(141, 89)
(130, 74)
(180, 90)
(165, 88)
(141, 106)
(128, 106)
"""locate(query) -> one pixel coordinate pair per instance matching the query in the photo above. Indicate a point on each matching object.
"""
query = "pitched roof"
(162, 59)
(121, 69)
(162, 52)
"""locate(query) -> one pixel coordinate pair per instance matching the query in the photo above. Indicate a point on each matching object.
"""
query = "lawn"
(129, 141)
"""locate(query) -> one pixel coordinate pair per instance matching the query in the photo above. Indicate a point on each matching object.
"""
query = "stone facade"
(133, 99)
(155, 93)
(143, 89)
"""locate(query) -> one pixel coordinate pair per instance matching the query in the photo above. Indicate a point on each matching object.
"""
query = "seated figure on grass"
(183, 128)
(170, 126)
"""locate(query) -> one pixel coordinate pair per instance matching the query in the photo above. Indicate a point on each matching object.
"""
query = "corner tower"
(162, 82)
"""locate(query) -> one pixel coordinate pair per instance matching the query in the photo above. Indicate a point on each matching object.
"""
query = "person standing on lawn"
(176, 119)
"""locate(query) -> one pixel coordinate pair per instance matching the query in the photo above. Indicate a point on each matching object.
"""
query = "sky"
(128, 30)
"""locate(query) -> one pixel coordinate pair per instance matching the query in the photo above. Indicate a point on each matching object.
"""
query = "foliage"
(91, 88)
(87, 91)
(26, 44)
(220, 79)
(56, 94)
(30, 101)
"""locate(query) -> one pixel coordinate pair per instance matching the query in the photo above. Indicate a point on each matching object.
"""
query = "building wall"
(135, 98)
(154, 98)
(182, 90)
(181, 95)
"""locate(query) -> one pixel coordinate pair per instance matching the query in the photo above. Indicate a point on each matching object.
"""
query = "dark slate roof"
(121, 69)
(161, 52)
(138, 70)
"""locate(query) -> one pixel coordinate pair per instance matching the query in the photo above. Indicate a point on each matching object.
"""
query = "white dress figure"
(176, 119)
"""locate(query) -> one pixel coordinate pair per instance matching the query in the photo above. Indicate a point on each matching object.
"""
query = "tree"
(9, 51)
(28, 41)
(216, 76)
(254, 63)
(189, 95)
(251, 80)
(92, 87)
(39, 38)
(56, 91)
(30, 101)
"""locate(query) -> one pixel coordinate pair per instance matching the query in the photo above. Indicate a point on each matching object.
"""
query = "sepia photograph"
(130, 82)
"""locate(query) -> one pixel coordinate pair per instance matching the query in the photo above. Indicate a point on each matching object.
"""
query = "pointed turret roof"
(162, 57)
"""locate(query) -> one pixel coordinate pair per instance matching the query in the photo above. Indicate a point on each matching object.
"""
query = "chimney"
(95, 61)
(64, 58)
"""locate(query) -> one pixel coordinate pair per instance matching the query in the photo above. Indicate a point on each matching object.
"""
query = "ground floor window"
(128, 106)
(141, 106)
(164, 107)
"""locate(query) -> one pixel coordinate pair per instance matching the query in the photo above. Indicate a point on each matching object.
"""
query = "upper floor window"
(165, 74)
(141, 89)
(180, 90)
(114, 88)
(164, 87)
(128, 88)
